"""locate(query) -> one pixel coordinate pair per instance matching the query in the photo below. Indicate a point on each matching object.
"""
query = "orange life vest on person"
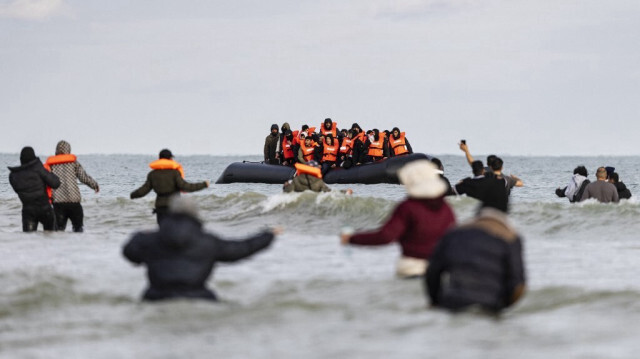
(333, 131)
(167, 164)
(311, 131)
(57, 160)
(347, 146)
(330, 153)
(308, 152)
(376, 147)
(309, 170)
(287, 151)
(296, 138)
(360, 136)
(399, 145)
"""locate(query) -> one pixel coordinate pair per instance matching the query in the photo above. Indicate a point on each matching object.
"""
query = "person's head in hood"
(285, 127)
(27, 155)
(288, 135)
(165, 154)
(356, 127)
(274, 130)
(422, 180)
(63, 148)
(328, 124)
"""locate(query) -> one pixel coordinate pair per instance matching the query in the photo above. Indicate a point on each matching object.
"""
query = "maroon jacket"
(417, 224)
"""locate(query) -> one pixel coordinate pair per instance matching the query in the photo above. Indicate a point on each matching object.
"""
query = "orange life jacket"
(399, 145)
(306, 169)
(347, 146)
(296, 138)
(330, 153)
(57, 160)
(167, 164)
(287, 152)
(333, 131)
(307, 152)
(361, 136)
(311, 131)
(376, 147)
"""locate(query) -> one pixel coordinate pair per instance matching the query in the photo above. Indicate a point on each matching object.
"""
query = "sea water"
(68, 295)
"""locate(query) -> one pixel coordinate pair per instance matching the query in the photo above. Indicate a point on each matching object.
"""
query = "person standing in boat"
(32, 182)
(417, 223)
(376, 147)
(398, 143)
(271, 146)
(329, 127)
(283, 132)
(166, 179)
(330, 151)
(66, 198)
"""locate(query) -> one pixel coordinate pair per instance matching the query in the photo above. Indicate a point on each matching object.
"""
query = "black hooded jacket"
(30, 182)
(180, 256)
(623, 191)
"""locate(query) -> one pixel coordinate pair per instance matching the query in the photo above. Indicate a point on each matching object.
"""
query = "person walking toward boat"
(478, 264)
(166, 179)
(601, 190)
(417, 223)
(180, 256)
(32, 182)
(67, 198)
(623, 191)
(578, 183)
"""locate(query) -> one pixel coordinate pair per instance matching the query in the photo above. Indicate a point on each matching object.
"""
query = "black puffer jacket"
(30, 182)
(623, 191)
(180, 256)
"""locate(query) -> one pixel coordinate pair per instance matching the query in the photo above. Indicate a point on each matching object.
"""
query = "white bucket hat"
(422, 180)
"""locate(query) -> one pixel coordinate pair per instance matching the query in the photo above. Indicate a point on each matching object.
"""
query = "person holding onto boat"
(66, 198)
(578, 183)
(623, 191)
(166, 179)
(398, 144)
(477, 265)
(601, 190)
(376, 146)
(330, 151)
(417, 223)
(32, 182)
(308, 177)
(271, 146)
(180, 255)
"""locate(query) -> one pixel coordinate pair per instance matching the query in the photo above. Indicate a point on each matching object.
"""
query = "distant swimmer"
(601, 190)
(623, 191)
(578, 183)
(32, 182)
(66, 198)
(417, 223)
(165, 179)
(180, 256)
(477, 265)
(308, 177)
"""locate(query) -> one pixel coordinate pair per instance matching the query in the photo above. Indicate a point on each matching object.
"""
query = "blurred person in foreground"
(180, 256)
(417, 223)
(478, 264)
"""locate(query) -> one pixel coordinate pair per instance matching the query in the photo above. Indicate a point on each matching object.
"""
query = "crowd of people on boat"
(474, 264)
(332, 147)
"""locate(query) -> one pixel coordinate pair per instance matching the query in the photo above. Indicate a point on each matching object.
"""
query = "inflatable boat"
(370, 173)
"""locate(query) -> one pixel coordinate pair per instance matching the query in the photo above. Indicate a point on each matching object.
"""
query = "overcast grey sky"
(556, 77)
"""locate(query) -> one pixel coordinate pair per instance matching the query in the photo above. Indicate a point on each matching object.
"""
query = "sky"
(517, 77)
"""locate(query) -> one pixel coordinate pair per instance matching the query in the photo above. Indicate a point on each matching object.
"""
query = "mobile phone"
(464, 142)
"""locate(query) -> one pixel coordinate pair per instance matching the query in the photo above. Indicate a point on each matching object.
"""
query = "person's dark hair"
(490, 160)
(436, 161)
(477, 167)
(328, 137)
(289, 135)
(275, 127)
(376, 134)
(581, 170)
(305, 127)
(315, 137)
(614, 177)
(496, 164)
(165, 153)
(356, 126)
(327, 121)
